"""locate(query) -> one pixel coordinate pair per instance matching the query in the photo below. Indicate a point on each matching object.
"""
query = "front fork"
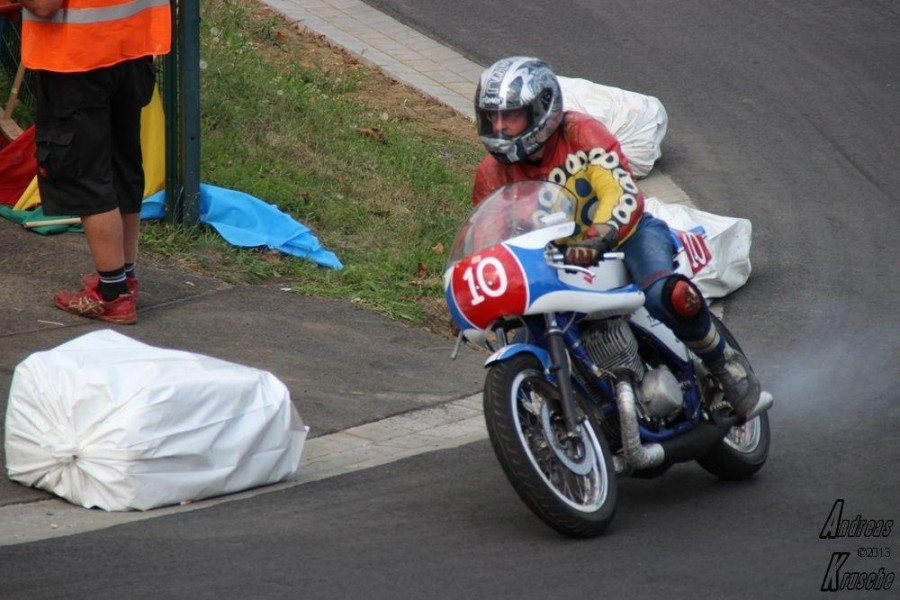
(555, 360)
(559, 366)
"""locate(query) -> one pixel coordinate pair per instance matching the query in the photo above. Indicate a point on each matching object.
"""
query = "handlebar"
(556, 260)
(564, 267)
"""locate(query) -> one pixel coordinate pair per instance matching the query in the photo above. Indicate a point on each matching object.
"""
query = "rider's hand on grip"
(586, 253)
(589, 250)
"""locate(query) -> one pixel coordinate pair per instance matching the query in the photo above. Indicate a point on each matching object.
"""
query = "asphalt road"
(784, 113)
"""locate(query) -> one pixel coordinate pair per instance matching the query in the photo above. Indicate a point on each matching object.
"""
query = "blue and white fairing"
(500, 264)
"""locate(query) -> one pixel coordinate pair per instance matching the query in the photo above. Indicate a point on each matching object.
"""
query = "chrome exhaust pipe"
(637, 455)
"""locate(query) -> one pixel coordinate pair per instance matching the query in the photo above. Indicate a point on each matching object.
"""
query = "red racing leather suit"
(584, 157)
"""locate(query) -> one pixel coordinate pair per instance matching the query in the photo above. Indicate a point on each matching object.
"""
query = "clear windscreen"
(510, 211)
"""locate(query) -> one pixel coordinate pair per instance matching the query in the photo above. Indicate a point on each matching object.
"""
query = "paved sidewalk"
(398, 50)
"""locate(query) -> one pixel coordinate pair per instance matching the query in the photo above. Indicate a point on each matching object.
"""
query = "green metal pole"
(170, 104)
(189, 59)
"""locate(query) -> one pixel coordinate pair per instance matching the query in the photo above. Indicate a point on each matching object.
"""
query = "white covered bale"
(712, 250)
(637, 120)
(106, 421)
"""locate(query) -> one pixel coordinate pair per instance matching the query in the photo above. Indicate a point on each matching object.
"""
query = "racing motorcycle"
(583, 385)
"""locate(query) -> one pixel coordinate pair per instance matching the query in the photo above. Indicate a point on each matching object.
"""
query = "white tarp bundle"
(638, 121)
(712, 250)
(106, 421)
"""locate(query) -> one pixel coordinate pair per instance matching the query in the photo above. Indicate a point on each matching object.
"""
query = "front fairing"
(499, 264)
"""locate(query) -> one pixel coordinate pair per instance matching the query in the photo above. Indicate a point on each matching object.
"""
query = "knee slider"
(682, 297)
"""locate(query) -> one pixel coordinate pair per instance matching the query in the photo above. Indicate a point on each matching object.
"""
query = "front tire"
(569, 483)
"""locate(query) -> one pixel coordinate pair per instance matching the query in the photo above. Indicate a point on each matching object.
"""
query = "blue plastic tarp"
(248, 222)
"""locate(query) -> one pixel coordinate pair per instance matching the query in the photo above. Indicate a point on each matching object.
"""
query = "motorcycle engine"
(659, 395)
(613, 347)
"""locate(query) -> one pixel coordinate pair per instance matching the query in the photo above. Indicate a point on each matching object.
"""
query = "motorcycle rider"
(518, 108)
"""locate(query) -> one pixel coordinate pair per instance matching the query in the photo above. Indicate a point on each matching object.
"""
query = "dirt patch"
(437, 317)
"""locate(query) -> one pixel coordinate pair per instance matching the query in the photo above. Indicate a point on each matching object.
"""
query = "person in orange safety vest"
(95, 72)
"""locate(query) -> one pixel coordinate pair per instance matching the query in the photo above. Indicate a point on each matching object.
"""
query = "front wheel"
(567, 481)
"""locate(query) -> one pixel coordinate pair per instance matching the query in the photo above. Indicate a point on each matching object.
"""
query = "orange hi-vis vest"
(89, 34)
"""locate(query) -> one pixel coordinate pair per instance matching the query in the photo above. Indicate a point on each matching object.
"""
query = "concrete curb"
(441, 427)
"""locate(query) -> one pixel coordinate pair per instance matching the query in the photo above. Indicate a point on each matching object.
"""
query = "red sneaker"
(88, 303)
(92, 282)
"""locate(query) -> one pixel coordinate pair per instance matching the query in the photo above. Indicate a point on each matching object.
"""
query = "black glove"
(589, 250)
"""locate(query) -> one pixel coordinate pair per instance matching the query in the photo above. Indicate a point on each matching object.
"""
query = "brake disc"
(579, 465)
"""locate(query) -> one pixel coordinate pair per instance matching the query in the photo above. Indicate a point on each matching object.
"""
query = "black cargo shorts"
(88, 138)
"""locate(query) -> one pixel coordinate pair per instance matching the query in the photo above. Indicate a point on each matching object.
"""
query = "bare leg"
(131, 227)
(105, 236)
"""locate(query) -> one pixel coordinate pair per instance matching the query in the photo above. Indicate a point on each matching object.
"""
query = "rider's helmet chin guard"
(518, 82)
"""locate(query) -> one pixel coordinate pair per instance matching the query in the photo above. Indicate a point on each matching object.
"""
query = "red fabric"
(7, 7)
(17, 167)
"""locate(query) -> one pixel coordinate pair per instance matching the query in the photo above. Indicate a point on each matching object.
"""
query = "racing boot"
(739, 383)
(730, 368)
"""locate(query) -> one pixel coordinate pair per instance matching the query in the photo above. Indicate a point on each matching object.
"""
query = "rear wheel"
(742, 453)
(567, 481)
(745, 449)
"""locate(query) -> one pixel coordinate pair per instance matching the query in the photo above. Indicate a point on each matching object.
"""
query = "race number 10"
(486, 278)
(696, 249)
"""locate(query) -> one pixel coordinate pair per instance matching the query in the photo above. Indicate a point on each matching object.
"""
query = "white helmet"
(513, 83)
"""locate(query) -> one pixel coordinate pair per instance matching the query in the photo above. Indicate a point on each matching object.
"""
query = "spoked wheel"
(567, 481)
(745, 449)
(742, 452)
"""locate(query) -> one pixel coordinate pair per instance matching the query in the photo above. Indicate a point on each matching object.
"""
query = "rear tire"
(520, 407)
(742, 453)
(745, 449)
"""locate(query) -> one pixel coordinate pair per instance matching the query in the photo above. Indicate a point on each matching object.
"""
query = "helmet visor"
(504, 124)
